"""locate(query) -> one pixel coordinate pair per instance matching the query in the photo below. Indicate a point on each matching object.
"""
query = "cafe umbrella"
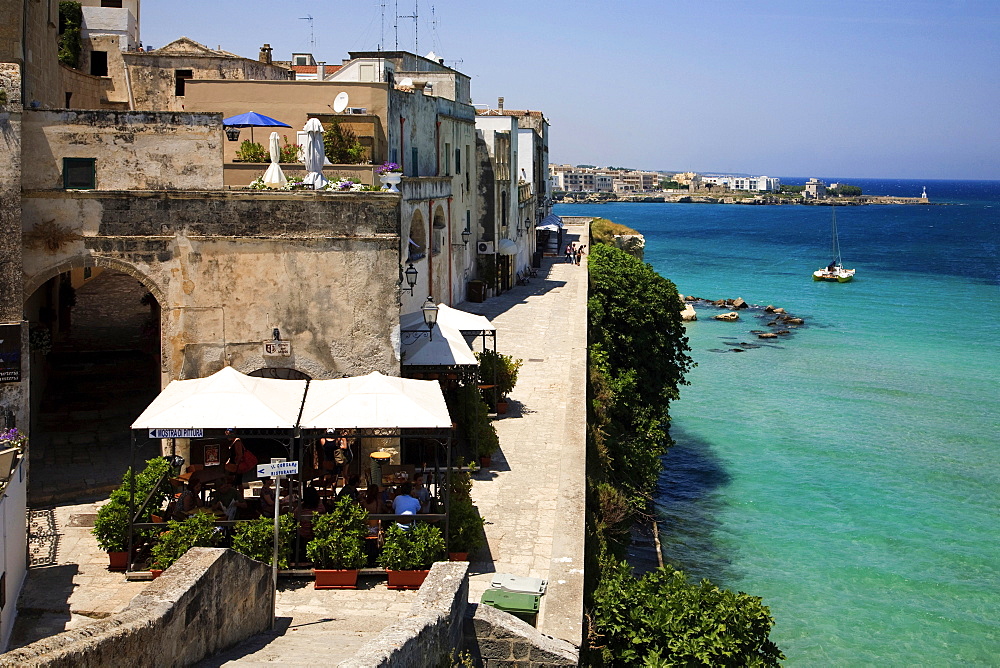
(252, 119)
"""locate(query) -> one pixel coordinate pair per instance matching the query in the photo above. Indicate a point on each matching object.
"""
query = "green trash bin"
(523, 606)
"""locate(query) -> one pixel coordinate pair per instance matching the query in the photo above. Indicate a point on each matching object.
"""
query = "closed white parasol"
(313, 154)
(274, 177)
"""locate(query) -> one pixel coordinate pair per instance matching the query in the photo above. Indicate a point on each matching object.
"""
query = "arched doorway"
(95, 366)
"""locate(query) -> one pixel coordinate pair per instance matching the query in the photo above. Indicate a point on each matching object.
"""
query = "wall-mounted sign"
(176, 433)
(278, 348)
(10, 353)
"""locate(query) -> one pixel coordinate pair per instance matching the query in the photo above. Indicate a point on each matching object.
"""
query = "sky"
(862, 88)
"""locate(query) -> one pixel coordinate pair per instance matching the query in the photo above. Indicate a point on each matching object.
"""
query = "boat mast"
(836, 240)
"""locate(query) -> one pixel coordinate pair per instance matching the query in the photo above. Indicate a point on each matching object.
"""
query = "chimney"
(500, 103)
(265, 54)
(321, 70)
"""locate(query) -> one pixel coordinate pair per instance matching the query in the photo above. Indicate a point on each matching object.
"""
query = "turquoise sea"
(850, 473)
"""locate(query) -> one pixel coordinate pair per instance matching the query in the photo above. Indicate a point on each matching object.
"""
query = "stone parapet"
(497, 638)
(208, 601)
(432, 630)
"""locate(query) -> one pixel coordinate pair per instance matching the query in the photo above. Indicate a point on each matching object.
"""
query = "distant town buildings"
(594, 179)
(744, 183)
(815, 189)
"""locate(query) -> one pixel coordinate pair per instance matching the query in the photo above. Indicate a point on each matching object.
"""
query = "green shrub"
(473, 418)
(255, 538)
(662, 619)
(339, 537)
(411, 549)
(196, 531)
(500, 370)
(465, 526)
(252, 152)
(111, 526)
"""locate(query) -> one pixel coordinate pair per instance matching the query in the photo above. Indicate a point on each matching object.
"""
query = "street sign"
(176, 433)
(277, 468)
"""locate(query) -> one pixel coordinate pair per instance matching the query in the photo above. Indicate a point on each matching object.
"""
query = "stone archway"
(95, 331)
(417, 238)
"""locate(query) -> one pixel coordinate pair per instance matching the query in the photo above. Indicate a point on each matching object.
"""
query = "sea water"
(848, 473)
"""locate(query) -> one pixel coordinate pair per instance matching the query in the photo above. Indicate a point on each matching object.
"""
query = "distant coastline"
(729, 198)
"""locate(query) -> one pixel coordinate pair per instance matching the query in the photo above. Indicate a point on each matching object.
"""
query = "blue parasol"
(252, 119)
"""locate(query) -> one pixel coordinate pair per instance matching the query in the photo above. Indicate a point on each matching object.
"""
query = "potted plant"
(498, 373)
(112, 522)
(196, 531)
(390, 174)
(408, 554)
(255, 539)
(465, 526)
(337, 547)
(474, 422)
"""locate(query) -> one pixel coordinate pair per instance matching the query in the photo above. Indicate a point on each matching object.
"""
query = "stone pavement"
(532, 496)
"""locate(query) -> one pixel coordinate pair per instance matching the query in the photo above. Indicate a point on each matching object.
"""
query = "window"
(414, 171)
(68, 97)
(111, 3)
(79, 173)
(301, 60)
(99, 63)
(447, 159)
(458, 161)
(180, 76)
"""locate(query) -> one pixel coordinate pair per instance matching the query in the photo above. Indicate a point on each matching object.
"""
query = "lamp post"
(430, 311)
(410, 275)
(466, 234)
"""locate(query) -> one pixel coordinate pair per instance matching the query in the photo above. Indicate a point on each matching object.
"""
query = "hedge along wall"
(208, 601)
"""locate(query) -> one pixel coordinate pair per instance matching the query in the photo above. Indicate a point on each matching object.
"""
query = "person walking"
(569, 252)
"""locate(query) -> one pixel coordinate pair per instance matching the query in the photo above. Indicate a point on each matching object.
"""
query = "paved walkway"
(532, 497)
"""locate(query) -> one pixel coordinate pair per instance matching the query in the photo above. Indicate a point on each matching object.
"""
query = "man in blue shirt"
(404, 504)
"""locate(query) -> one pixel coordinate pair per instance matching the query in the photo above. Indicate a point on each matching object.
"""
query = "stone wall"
(133, 150)
(432, 630)
(227, 267)
(496, 638)
(210, 600)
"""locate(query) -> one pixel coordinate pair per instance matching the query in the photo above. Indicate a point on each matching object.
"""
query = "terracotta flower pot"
(502, 407)
(156, 572)
(406, 579)
(335, 579)
(458, 556)
(118, 561)
(485, 461)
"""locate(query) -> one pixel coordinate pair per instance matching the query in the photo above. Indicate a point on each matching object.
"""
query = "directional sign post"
(176, 433)
(277, 468)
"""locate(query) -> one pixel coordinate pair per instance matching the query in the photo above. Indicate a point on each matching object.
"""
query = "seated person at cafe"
(189, 501)
(421, 493)
(310, 505)
(404, 504)
(372, 502)
(350, 490)
(266, 498)
(227, 499)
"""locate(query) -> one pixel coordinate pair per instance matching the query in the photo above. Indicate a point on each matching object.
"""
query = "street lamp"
(410, 275)
(466, 233)
(430, 311)
(232, 133)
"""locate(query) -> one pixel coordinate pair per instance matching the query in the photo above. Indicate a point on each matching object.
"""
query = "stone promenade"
(532, 496)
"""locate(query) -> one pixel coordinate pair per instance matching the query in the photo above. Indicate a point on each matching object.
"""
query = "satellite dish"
(340, 102)
(406, 82)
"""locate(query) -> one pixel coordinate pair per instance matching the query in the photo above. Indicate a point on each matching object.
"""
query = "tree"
(844, 190)
(792, 189)
(342, 145)
(662, 619)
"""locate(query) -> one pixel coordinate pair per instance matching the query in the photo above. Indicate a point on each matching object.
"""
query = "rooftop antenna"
(414, 16)
(312, 34)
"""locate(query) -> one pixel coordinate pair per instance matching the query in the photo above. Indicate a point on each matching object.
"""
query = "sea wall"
(209, 600)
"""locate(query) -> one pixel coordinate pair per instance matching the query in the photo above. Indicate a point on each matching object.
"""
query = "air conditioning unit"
(357, 110)
(485, 247)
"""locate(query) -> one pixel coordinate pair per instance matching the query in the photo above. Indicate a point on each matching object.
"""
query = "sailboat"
(835, 270)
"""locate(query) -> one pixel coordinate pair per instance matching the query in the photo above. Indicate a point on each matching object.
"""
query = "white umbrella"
(274, 177)
(313, 154)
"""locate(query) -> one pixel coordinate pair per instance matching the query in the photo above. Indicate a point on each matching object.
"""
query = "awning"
(463, 321)
(375, 401)
(551, 222)
(225, 399)
(447, 348)
(507, 247)
(229, 398)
